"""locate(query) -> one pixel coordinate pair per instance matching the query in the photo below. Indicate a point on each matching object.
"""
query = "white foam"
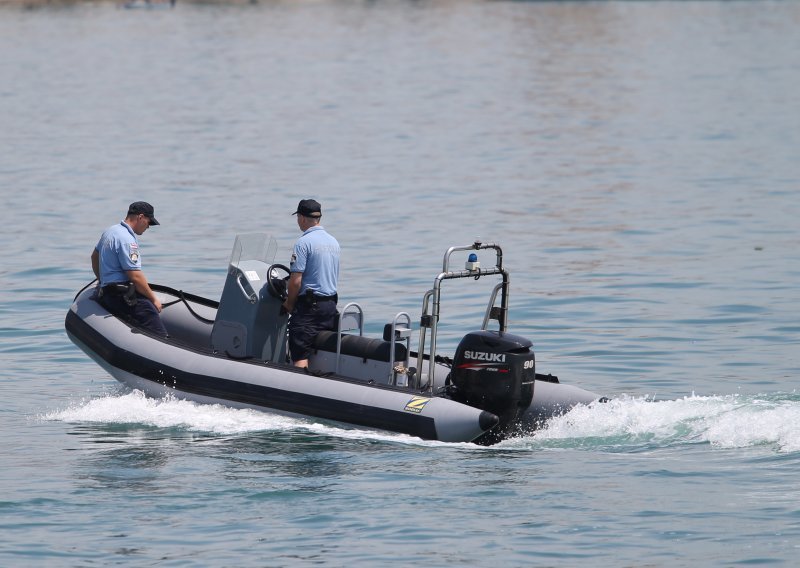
(135, 408)
(728, 421)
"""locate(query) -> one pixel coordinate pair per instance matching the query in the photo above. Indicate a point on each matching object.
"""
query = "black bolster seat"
(359, 346)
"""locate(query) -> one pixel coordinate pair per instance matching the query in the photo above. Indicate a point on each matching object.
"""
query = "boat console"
(250, 322)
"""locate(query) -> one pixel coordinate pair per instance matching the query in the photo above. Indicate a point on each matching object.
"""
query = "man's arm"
(293, 290)
(96, 264)
(140, 282)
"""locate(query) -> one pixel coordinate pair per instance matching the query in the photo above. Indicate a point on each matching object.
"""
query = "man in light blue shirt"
(314, 274)
(117, 263)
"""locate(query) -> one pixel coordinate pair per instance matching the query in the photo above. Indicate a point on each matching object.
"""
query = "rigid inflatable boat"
(234, 352)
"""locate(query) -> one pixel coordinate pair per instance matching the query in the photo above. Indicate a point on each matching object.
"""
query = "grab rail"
(432, 299)
(399, 334)
(348, 321)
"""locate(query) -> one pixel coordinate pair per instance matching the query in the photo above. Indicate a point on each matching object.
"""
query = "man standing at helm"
(314, 274)
(116, 261)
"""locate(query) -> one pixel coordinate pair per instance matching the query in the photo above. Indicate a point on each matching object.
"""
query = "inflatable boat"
(234, 352)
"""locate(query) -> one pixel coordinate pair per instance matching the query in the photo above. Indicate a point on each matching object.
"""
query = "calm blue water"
(638, 161)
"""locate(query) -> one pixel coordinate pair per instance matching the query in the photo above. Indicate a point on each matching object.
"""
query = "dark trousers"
(143, 313)
(307, 320)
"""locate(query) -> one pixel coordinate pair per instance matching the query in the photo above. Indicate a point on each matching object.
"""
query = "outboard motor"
(494, 371)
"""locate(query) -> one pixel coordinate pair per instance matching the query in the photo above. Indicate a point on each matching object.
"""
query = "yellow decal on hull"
(416, 404)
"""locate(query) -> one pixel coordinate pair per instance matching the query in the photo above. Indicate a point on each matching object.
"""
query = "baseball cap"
(143, 207)
(309, 208)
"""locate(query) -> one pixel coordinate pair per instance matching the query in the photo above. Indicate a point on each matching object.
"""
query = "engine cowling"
(494, 371)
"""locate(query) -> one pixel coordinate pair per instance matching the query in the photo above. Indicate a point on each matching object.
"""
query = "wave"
(724, 421)
(625, 424)
(135, 409)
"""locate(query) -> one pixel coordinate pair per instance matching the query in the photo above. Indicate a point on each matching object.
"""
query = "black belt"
(313, 298)
(117, 288)
(125, 290)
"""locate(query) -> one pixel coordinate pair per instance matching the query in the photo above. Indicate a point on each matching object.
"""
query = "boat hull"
(159, 367)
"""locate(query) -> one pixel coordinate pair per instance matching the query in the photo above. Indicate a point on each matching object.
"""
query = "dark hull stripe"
(245, 393)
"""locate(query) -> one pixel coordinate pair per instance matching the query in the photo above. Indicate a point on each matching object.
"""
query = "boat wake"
(628, 424)
(133, 408)
(624, 424)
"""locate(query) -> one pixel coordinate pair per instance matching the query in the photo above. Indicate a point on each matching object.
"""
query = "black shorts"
(306, 322)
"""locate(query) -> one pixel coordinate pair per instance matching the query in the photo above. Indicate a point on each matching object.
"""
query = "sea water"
(637, 162)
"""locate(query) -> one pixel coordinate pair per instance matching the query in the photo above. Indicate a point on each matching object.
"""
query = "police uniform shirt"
(119, 251)
(316, 255)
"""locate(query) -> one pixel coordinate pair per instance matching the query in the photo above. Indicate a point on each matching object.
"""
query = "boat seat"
(359, 346)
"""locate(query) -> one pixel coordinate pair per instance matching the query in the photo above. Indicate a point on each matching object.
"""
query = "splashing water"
(624, 424)
(725, 421)
(137, 409)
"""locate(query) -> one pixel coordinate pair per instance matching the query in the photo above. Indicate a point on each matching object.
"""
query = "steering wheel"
(277, 284)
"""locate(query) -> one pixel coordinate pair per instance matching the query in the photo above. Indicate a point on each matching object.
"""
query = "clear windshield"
(254, 246)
